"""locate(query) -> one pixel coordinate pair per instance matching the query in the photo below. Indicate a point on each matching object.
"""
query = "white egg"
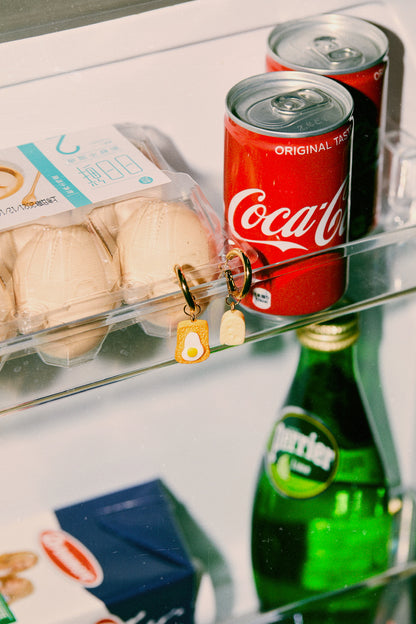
(154, 236)
(60, 276)
(193, 348)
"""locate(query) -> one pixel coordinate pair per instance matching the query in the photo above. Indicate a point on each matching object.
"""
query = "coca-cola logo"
(71, 557)
(306, 228)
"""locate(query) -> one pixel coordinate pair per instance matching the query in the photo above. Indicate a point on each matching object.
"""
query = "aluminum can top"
(289, 103)
(330, 44)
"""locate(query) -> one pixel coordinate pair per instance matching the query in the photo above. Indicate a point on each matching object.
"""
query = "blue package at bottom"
(117, 558)
(134, 537)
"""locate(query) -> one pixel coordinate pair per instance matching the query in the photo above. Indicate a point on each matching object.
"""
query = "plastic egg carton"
(91, 224)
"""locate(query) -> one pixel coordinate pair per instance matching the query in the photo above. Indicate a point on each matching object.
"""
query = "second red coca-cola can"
(354, 52)
(287, 161)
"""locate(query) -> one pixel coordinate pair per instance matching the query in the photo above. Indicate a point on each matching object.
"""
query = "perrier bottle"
(320, 516)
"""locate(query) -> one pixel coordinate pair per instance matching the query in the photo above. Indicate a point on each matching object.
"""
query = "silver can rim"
(330, 18)
(333, 87)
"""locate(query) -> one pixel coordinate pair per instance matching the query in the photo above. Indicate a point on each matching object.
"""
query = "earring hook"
(232, 288)
(194, 307)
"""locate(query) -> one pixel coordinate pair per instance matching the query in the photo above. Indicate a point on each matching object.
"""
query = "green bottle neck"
(326, 386)
(344, 359)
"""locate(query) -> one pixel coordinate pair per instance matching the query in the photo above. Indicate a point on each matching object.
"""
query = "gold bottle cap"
(333, 335)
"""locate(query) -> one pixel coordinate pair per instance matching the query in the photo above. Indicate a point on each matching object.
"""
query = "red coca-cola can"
(287, 158)
(355, 53)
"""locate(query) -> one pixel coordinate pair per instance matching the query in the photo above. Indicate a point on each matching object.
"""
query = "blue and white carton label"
(67, 171)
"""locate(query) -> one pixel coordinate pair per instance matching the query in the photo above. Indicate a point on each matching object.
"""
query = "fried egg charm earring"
(192, 336)
(233, 325)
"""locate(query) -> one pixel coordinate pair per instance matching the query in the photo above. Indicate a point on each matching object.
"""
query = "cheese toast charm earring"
(192, 336)
(233, 325)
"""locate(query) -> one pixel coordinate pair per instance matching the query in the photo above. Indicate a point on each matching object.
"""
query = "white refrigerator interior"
(200, 428)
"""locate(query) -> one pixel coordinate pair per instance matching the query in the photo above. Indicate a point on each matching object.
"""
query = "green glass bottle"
(320, 514)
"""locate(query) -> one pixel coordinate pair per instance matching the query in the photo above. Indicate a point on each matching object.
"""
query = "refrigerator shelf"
(170, 71)
(379, 270)
(379, 267)
(391, 593)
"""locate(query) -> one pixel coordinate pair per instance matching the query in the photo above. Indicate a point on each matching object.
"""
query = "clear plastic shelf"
(400, 177)
(386, 598)
(380, 269)
(391, 594)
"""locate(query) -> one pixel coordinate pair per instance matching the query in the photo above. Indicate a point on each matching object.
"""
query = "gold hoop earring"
(192, 336)
(233, 326)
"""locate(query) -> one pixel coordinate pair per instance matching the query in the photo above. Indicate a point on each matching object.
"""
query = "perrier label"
(302, 457)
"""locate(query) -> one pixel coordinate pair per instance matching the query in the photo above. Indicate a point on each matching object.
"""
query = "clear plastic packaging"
(399, 179)
(92, 222)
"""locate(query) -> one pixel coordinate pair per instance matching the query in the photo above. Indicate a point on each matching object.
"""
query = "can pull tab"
(334, 53)
(298, 101)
